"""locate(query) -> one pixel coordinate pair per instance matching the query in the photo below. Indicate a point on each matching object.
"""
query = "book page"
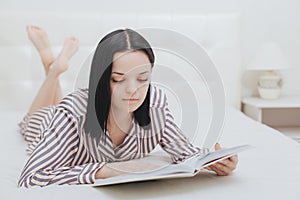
(218, 155)
(187, 168)
(167, 170)
(166, 167)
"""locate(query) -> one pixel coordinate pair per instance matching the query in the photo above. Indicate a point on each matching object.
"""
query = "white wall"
(261, 20)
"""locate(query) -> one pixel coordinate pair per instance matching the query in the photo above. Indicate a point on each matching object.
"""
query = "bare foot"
(70, 47)
(40, 40)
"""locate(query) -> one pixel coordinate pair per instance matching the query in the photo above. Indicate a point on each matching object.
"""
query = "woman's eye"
(117, 81)
(143, 80)
(121, 80)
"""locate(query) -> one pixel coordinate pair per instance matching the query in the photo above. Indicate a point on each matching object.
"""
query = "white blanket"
(269, 171)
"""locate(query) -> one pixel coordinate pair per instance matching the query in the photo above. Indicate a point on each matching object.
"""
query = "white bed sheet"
(269, 171)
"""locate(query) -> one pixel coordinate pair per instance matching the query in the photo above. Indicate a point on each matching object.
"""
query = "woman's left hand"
(224, 167)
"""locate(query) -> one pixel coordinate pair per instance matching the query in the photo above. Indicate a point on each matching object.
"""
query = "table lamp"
(269, 59)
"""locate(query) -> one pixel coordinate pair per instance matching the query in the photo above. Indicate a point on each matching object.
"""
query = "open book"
(190, 167)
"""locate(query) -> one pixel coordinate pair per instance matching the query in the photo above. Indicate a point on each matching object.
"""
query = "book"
(188, 168)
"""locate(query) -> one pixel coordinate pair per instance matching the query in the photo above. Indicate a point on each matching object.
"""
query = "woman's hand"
(119, 168)
(132, 166)
(224, 167)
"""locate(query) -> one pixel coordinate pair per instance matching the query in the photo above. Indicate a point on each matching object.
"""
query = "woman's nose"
(131, 87)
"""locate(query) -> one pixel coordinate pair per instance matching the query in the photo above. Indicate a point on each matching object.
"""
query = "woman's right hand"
(119, 168)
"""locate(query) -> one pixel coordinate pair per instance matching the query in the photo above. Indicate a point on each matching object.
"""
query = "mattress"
(271, 170)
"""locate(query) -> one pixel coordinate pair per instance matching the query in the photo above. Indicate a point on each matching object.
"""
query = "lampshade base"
(269, 85)
(268, 93)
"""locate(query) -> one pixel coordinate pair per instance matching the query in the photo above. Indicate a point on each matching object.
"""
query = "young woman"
(100, 131)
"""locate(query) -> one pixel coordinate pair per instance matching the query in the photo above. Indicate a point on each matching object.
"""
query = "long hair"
(99, 95)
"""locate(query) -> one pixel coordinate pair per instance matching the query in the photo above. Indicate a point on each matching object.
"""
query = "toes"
(73, 38)
(36, 27)
(29, 28)
(71, 45)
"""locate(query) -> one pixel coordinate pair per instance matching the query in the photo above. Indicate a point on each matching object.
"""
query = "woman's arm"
(119, 168)
(52, 161)
(175, 142)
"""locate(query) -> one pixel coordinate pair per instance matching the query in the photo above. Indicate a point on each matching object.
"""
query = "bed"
(269, 171)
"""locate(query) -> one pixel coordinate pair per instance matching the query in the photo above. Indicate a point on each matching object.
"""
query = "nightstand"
(282, 114)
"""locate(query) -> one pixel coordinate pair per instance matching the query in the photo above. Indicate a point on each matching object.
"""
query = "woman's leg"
(50, 92)
(46, 93)
(40, 40)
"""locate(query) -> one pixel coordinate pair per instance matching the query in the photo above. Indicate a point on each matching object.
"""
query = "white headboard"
(22, 72)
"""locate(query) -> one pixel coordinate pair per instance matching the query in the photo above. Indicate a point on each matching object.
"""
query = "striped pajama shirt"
(62, 153)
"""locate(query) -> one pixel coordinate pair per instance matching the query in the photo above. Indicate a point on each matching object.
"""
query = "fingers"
(230, 162)
(234, 159)
(217, 146)
(224, 167)
(220, 170)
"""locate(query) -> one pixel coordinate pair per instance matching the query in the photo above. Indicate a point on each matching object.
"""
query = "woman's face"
(130, 78)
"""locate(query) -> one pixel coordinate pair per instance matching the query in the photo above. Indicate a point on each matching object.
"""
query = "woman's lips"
(130, 99)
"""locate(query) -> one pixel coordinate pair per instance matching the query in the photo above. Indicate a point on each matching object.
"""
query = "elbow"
(29, 180)
(21, 183)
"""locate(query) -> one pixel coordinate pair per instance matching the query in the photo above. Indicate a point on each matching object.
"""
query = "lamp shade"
(268, 57)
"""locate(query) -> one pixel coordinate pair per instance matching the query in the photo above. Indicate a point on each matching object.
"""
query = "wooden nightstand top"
(282, 102)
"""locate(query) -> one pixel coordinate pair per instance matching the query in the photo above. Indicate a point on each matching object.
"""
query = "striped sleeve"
(175, 142)
(50, 162)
